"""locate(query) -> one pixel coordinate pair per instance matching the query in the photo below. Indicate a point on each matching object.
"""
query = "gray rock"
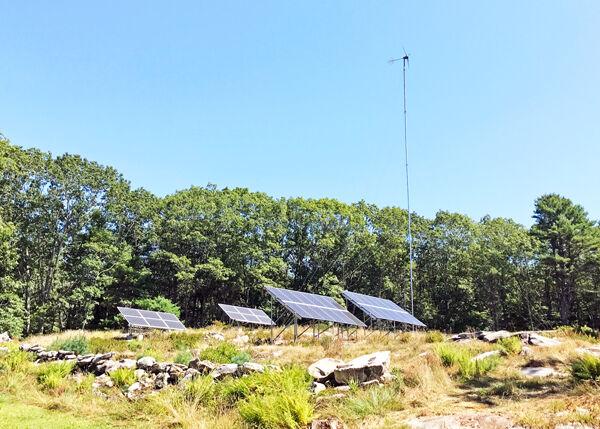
(526, 351)
(190, 374)
(342, 388)
(492, 337)
(535, 371)
(592, 350)
(573, 426)
(541, 341)
(161, 381)
(241, 340)
(370, 383)
(25, 347)
(250, 367)
(482, 356)
(224, 370)
(330, 423)
(4, 337)
(3, 349)
(364, 368)
(464, 336)
(203, 366)
(216, 336)
(145, 362)
(323, 369)
(102, 381)
(437, 422)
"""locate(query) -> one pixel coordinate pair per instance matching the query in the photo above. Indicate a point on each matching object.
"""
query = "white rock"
(4, 337)
(224, 370)
(318, 387)
(3, 349)
(437, 422)
(146, 362)
(241, 340)
(216, 336)
(492, 337)
(364, 368)
(322, 370)
(485, 355)
(532, 371)
(541, 341)
(250, 367)
(342, 388)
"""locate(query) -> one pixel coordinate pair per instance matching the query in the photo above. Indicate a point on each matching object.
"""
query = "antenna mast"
(405, 62)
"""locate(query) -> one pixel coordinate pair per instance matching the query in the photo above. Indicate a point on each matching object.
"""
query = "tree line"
(76, 240)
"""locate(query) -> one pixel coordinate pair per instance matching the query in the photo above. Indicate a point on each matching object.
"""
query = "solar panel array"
(381, 308)
(316, 307)
(151, 319)
(246, 315)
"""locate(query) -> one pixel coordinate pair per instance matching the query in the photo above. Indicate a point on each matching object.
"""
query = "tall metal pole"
(410, 249)
(409, 236)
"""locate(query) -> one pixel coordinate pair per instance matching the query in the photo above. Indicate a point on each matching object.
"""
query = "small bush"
(78, 344)
(586, 367)
(376, 401)
(225, 353)
(510, 345)
(184, 357)
(450, 354)
(199, 391)
(52, 375)
(434, 337)
(15, 361)
(123, 377)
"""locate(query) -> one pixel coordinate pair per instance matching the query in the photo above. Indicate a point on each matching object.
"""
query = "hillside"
(431, 375)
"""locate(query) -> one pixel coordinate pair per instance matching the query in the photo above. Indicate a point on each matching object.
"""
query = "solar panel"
(246, 315)
(381, 308)
(316, 307)
(151, 319)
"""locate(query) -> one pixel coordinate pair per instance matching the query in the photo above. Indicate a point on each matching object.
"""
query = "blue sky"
(297, 98)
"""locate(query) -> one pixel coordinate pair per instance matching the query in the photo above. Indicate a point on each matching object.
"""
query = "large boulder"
(539, 371)
(4, 337)
(492, 337)
(541, 341)
(146, 362)
(364, 368)
(250, 367)
(322, 370)
(202, 366)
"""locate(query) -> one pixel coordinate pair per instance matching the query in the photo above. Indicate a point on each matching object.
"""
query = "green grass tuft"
(199, 391)
(78, 344)
(225, 353)
(434, 337)
(123, 377)
(586, 367)
(510, 345)
(52, 375)
(184, 357)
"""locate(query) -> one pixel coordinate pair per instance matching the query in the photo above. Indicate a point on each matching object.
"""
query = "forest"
(76, 240)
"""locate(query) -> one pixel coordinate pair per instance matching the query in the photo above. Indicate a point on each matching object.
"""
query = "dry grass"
(424, 386)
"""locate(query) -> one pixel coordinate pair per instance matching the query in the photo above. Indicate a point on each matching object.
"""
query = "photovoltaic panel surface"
(381, 308)
(246, 315)
(151, 319)
(316, 307)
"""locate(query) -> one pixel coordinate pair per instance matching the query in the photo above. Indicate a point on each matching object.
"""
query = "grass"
(433, 378)
(123, 377)
(586, 367)
(510, 345)
(184, 357)
(52, 375)
(78, 344)
(225, 353)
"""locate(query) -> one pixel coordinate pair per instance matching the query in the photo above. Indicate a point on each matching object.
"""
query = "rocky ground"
(417, 380)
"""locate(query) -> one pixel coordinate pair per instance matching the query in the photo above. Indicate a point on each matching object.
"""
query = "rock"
(541, 341)
(370, 383)
(224, 370)
(464, 336)
(203, 366)
(492, 337)
(102, 381)
(342, 388)
(216, 336)
(322, 370)
(161, 381)
(534, 371)
(482, 356)
(330, 423)
(592, 350)
(190, 374)
(4, 337)
(573, 426)
(241, 340)
(250, 367)
(139, 374)
(3, 349)
(134, 390)
(25, 347)
(437, 422)
(526, 351)
(317, 387)
(364, 368)
(146, 362)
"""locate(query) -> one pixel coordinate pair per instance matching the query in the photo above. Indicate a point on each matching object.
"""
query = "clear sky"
(297, 98)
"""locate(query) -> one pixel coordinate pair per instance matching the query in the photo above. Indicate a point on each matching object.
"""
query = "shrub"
(12, 314)
(158, 303)
(123, 377)
(78, 344)
(184, 357)
(15, 361)
(291, 410)
(225, 353)
(434, 337)
(52, 375)
(450, 354)
(587, 367)
(199, 391)
(510, 345)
